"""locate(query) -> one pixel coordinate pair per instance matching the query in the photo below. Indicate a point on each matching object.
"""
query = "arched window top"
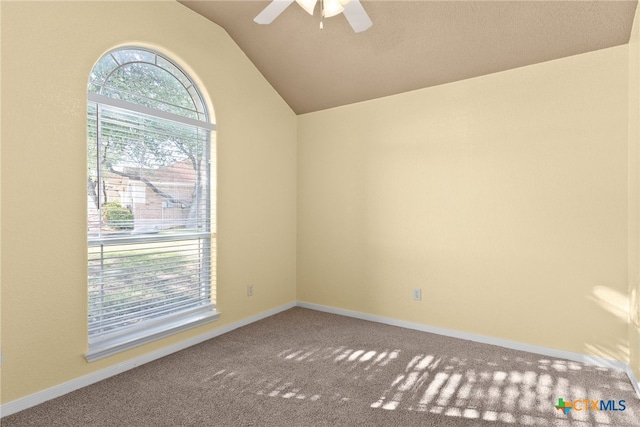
(147, 78)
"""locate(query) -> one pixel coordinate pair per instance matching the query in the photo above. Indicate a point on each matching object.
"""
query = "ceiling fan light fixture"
(332, 8)
(308, 5)
(351, 9)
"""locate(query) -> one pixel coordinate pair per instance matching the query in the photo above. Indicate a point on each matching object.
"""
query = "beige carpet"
(307, 368)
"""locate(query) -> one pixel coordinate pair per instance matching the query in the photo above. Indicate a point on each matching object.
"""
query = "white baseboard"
(514, 345)
(633, 379)
(76, 384)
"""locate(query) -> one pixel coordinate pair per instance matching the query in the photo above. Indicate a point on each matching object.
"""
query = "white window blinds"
(149, 233)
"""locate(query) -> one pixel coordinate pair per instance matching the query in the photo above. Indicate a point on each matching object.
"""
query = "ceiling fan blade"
(272, 11)
(357, 17)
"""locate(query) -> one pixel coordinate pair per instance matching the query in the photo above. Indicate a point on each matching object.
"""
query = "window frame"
(150, 329)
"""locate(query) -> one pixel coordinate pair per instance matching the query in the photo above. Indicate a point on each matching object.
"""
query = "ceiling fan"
(352, 10)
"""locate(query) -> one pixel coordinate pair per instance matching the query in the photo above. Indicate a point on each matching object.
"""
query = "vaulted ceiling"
(412, 44)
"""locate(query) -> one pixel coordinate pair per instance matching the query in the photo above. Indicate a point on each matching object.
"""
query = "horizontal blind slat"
(135, 310)
(115, 273)
(146, 238)
(106, 313)
(109, 327)
(194, 292)
(111, 299)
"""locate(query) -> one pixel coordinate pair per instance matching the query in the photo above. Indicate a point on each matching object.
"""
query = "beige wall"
(503, 197)
(634, 195)
(48, 50)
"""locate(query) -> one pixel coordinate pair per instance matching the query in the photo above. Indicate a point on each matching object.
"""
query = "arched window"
(149, 210)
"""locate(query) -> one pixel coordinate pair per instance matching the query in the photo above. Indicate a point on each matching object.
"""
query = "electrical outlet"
(249, 290)
(417, 294)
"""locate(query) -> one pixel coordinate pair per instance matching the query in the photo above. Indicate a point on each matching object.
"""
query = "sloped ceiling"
(412, 44)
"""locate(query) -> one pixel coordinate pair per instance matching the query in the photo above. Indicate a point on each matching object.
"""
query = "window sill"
(151, 331)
